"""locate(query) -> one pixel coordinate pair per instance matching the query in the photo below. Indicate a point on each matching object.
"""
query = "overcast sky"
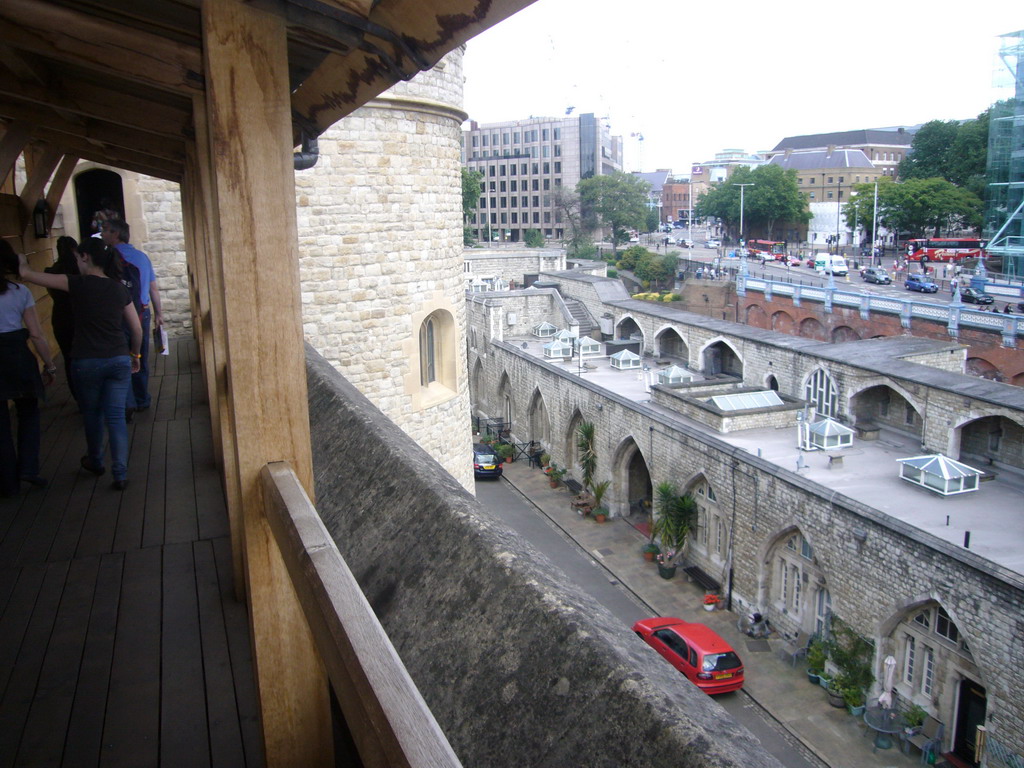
(694, 78)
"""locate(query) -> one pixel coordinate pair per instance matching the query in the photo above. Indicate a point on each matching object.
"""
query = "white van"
(827, 262)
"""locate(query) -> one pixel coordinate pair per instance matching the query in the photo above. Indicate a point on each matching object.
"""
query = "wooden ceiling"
(114, 81)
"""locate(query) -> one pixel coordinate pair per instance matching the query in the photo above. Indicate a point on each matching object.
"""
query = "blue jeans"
(102, 384)
(140, 380)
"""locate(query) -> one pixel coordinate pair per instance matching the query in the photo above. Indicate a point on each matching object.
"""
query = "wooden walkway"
(121, 642)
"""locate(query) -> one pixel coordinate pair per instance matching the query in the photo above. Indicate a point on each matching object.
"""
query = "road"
(524, 518)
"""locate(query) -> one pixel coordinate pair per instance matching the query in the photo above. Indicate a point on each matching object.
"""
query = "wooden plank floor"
(121, 642)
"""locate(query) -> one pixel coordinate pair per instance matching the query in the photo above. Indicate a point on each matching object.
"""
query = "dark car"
(875, 275)
(920, 282)
(486, 463)
(696, 650)
(972, 296)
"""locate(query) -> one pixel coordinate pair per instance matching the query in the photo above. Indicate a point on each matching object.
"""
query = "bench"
(698, 575)
(835, 460)
(575, 486)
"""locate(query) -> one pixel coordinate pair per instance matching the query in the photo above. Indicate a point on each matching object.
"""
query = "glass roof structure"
(746, 400)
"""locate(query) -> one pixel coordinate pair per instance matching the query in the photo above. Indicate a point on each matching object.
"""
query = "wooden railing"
(390, 722)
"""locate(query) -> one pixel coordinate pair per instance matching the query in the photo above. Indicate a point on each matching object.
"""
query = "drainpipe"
(309, 155)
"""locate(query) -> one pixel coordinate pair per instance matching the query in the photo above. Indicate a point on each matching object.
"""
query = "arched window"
(821, 393)
(433, 358)
(429, 352)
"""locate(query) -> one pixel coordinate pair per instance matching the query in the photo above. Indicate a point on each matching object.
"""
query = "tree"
(676, 515)
(578, 242)
(618, 200)
(929, 153)
(470, 197)
(950, 150)
(586, 444)
(653, 220)
(917, 206)
(773, 198)
(632, 256)
(533, 238)
(655, 269)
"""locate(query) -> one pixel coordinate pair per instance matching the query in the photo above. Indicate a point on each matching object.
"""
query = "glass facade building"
(1004, 211)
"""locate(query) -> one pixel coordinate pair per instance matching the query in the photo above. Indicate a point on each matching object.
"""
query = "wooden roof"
(114, 81)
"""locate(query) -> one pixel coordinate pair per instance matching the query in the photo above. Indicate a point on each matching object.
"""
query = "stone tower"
(380, 232)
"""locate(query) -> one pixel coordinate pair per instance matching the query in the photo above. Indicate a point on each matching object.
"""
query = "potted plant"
(853, 697)
(817, 655)
(598, 490)
(505, 451)
(836, 691)
(666, 564)
(852, 655)
(672, 526)
(586, 445)
(650, 549)
(914, 717)
(711, 600)
(545, 459)
(555, 474)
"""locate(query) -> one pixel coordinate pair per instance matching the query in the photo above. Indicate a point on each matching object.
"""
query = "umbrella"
(885, 700)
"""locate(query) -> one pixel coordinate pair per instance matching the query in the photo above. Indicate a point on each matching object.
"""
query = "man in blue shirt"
(117, 234)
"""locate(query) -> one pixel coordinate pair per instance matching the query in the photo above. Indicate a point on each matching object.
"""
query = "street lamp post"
(689, 213)
(742, 189)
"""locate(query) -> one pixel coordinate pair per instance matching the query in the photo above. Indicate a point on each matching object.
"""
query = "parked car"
(972, 296)
(712, 243)
(696, 650)
(486, 462)
(920, 282)
(876, 275)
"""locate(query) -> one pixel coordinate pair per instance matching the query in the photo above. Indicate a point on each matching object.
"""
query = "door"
(970, 713)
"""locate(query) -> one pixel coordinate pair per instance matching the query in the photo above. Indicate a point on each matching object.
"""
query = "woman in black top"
(61, 318)
(102, 360)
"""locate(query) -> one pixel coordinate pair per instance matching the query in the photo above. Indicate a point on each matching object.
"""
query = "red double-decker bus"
(944, 250)
(769, 249)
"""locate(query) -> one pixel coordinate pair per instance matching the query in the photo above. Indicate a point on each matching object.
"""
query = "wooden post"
(249, 119)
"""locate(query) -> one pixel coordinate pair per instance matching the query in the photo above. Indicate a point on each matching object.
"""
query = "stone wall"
(519, 666)
(512, 263)
(873, 586)
(379, 221)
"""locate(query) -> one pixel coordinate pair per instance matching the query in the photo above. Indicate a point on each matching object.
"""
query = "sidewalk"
(833, 735)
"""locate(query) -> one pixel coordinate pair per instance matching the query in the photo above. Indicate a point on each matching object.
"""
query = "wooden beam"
(116, 156)
(343, 83)
(38, 171)
(58, 184)
(250, 138)
(12, 144)
(80, 97)
(107, 133)
(78, 38)
(213, 330)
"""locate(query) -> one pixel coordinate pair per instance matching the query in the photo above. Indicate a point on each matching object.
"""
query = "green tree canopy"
(618, 200)
(916, 206)
(470, 192)
(951, 150)
(470, 197)
(774, 198)
(533, 238)
(656, 269)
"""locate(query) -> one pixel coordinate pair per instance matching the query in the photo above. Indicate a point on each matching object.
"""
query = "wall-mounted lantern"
(41, 219)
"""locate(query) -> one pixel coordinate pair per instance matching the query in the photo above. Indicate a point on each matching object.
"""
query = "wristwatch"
(51, 369)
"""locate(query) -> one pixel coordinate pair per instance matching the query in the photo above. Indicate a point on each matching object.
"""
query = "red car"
(696, 650)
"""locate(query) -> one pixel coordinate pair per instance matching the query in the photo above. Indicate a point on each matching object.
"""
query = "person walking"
(20, 380)
(117, 234)
(61, 319)
(102, 359)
